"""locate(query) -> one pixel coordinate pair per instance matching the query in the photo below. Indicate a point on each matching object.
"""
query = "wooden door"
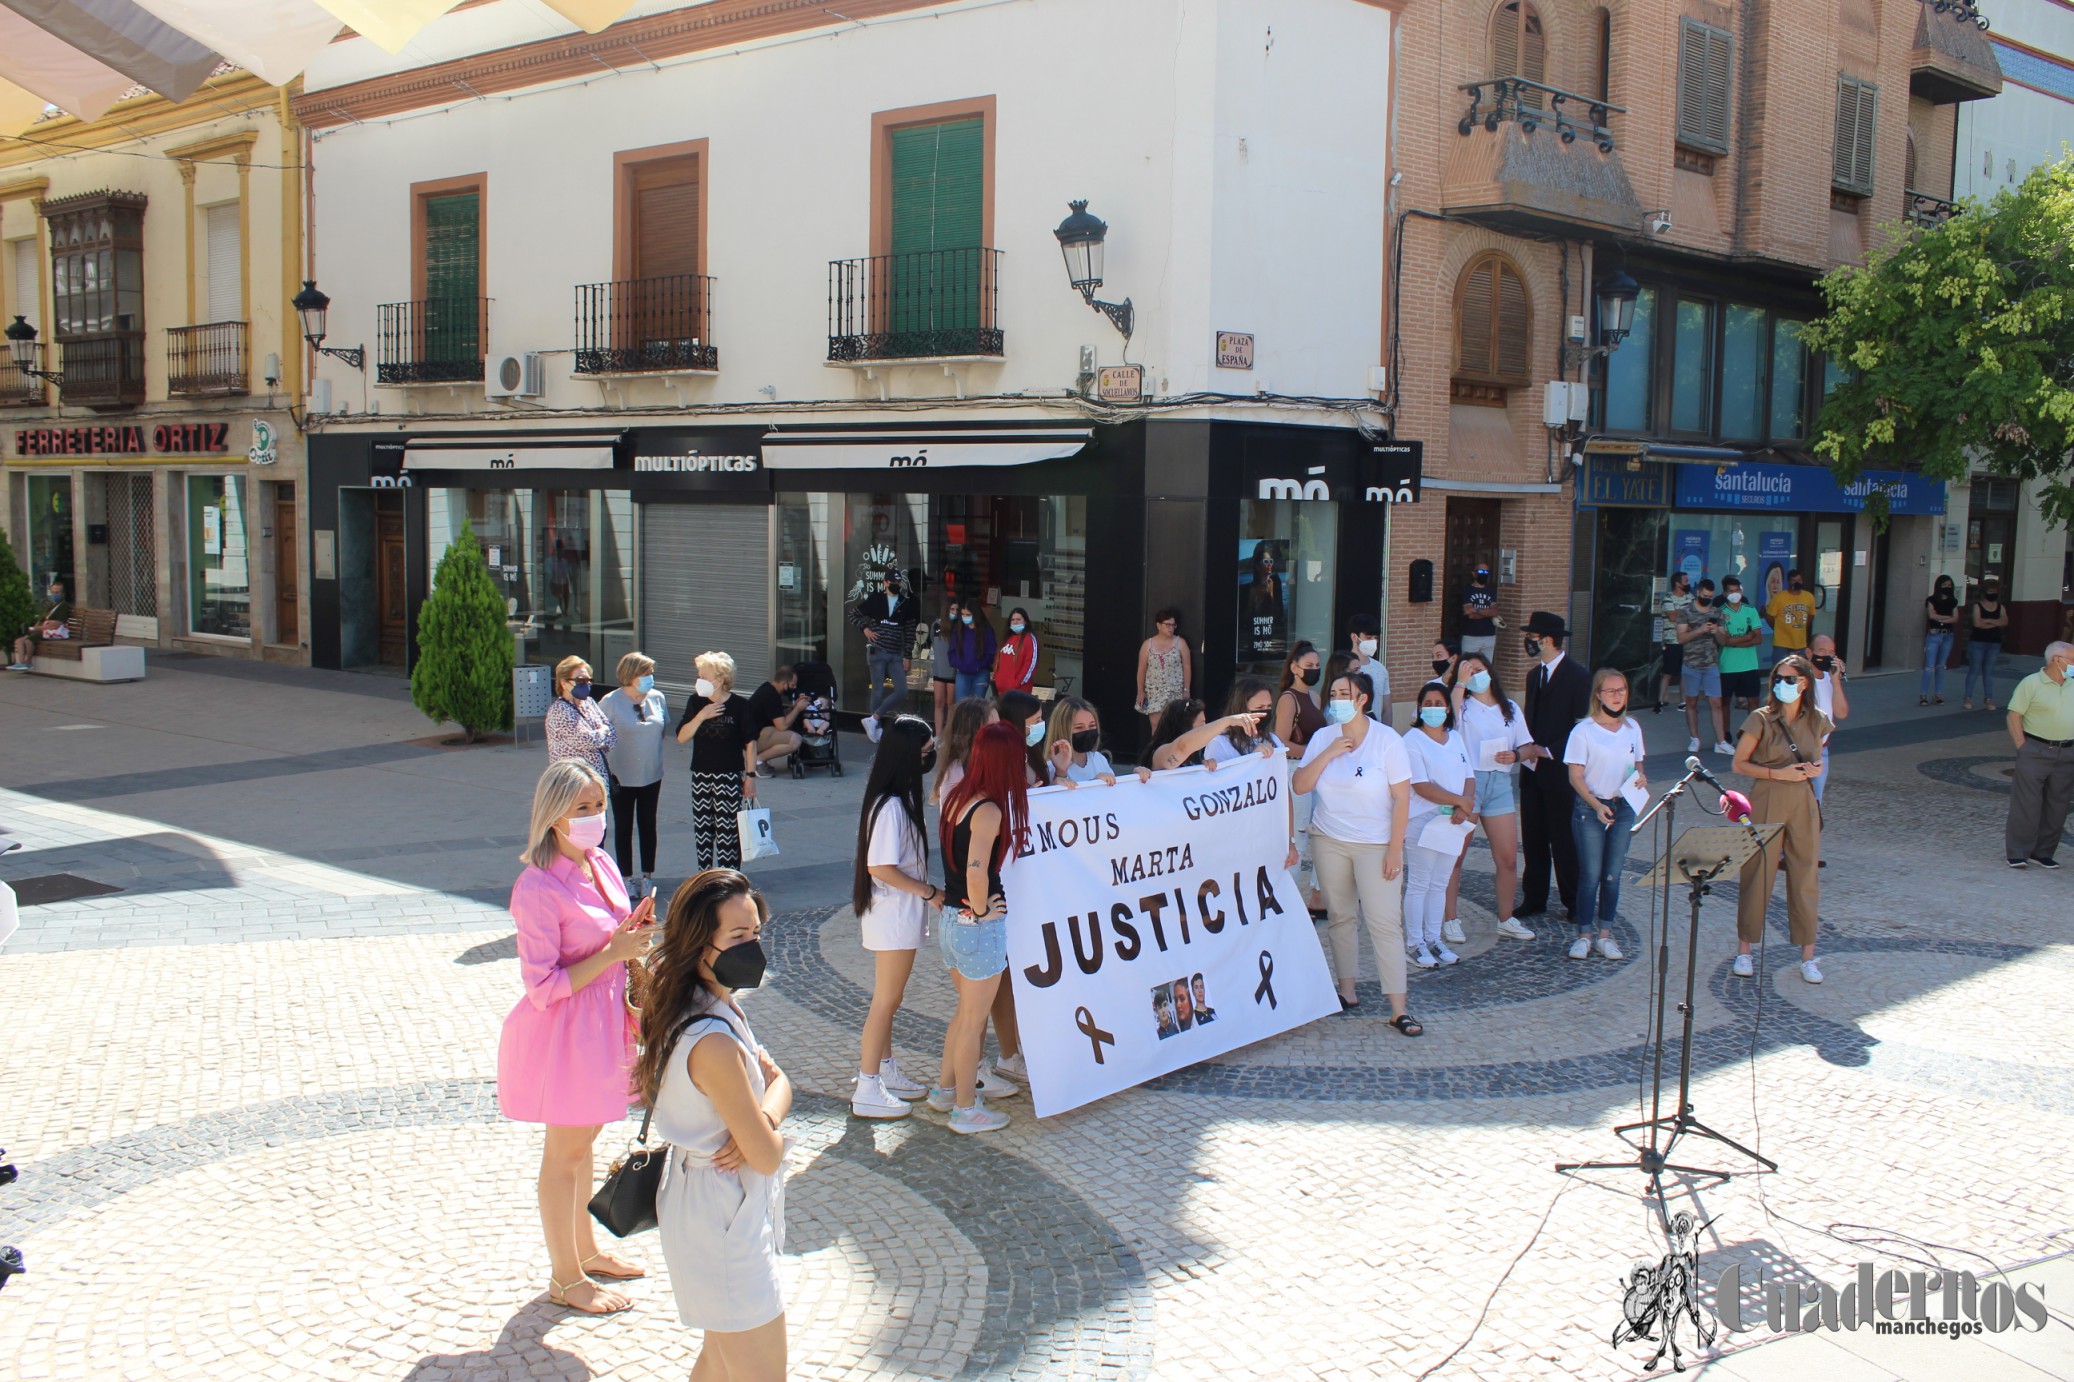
(1472, 537)
(287, 610)
(389, 578)
(667, 306)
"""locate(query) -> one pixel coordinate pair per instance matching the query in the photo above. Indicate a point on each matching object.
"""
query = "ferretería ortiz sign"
(1802, 489)
(1153, 925)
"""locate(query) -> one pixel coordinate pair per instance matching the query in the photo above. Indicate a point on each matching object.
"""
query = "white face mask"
(704, 688)
(1365, 646)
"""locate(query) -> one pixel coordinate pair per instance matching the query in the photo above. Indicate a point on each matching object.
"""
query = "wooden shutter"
(1705, 83)
(226, 263)
(1510, 347)
(1857, 113)
(939, 186)
(665, 204)
(1493, 323)
(1473, 320)
(452, 249)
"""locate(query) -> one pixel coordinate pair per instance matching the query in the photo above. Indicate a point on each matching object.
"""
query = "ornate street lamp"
(1617, 293)
(21, 348)
(311, 305)
(1080, 241)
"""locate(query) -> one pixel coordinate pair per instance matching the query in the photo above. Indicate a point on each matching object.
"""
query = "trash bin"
(532, 690)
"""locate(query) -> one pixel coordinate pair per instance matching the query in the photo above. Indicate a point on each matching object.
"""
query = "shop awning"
(1689, 453)
(932, 448)
(532, 451)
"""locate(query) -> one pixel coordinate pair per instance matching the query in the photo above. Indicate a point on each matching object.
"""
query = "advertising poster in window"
(1689, 552)
(1774, 560)
(212, 530)
(1263, 599)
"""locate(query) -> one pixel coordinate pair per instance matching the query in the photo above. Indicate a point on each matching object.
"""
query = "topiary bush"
(464, 645)
(18, 605)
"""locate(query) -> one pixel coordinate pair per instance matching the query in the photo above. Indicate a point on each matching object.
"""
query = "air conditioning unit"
(513, 376)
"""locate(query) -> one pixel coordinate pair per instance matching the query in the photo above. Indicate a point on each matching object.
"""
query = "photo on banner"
(1154, 925)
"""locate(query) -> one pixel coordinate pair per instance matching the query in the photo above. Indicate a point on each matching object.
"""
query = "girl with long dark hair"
(891, 894)
(1025, 714)
(1015, 661)
(719, 1100)
(967, 718)
(1297, 717)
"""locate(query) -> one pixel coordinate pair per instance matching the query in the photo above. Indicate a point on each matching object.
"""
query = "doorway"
(287, 608)
(1472, 538)
(391, 568)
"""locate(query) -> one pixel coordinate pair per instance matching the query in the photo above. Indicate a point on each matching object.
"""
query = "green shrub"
(464, 645)
(18, 605)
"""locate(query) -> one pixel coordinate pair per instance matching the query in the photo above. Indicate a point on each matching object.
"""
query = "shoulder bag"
(625, 1203)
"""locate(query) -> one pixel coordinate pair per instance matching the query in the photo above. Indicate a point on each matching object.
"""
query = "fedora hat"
(1546, 624)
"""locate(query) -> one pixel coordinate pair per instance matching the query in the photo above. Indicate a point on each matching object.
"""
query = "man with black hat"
(1558, 695)
(1479, 616)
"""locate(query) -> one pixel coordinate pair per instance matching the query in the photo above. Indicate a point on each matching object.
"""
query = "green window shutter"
(453, 277)
(934, 280)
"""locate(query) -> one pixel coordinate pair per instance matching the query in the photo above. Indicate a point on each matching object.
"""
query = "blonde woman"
(639, 716)
(721, 728)
(567, 1050)
(576, 727)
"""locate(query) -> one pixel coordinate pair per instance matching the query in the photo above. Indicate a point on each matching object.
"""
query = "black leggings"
(630, 804)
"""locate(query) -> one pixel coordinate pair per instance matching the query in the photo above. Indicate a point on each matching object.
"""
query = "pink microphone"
(1736, 807)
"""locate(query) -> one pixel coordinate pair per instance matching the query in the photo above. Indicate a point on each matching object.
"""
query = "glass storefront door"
(562, 558)
(219, 572)
(1628, 597)
(50, 535)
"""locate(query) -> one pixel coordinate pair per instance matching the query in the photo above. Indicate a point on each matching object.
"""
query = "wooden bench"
(89, 653)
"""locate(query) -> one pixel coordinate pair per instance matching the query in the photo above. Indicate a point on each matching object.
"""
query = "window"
(1602, 32)
(219, 577)
(449, 272)
(50, 534)
(224, 262)
(1630, 376)
(1789, 381)
(1494, 323)
(1857, 111)
(1692, 373)
(25, 283)
(1705, 72)
(1518, 46)
(97, 295)
(1742, 373)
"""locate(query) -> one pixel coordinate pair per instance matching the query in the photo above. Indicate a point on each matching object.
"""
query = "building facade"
(697, 321)
(154, 466)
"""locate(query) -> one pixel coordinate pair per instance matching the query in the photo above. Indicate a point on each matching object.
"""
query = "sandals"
(558, 1293)
(634, 1275)
(1347, 1005)
(1407, 1024)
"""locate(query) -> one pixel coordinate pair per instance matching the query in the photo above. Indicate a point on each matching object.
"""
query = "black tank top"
(954, 865)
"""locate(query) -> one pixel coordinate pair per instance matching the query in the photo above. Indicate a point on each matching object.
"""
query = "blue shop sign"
(1610, 483)
(1802, 489)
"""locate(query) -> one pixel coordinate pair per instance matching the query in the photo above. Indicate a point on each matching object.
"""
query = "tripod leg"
(1695, 1125)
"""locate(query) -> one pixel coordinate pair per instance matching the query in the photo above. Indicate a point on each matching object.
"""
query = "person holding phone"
(1780, 745)
(1699, 635)
(567, 1049)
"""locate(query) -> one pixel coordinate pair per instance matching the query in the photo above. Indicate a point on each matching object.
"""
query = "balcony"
(434, 341)
(1535, 158)
(926, 305)
(1952, 59)
(211, 360)
(645, 326)
(18, 389)
(1929, 212)
(103, 370)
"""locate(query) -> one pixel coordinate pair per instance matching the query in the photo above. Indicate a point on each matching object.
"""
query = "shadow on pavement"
(521, 1350)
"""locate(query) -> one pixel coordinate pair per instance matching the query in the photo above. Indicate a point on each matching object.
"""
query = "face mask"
(1034, 735)
(1085, 740)
(1433, 716)
(1440, 666)
(704, 688)
(1016, 627)
(581, 690)
(1482, 576)
(1735, 597)
(1787, 691)
(1796, 585)
(929, 760)
(645, 684)
(1827, 664)
(1610, 712)
(1308, 676)
(1533, 647)
(1365, 646)
(1339, 712)
(739, 966)
(1479, 682)
(966, 620)
(586, 832)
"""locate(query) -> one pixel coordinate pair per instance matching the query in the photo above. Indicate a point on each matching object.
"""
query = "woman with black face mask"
(718, 1100)
(1940, 618)
(1297, 717)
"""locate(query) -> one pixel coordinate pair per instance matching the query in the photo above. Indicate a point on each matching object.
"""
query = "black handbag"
(625, 1203)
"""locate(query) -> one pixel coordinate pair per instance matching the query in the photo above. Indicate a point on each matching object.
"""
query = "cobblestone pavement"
(251, 1094)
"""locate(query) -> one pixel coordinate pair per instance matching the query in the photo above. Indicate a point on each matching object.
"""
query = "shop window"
(1692, 373)
(1789, 381)
(563, 560)
(219, 573)
(1286, 563)
(1494, 324)
(1705, 85)
(1857, 111)
(1742, 373)
(50, 534)
(1631, 371)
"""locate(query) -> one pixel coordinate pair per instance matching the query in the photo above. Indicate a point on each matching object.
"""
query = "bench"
(90, 652)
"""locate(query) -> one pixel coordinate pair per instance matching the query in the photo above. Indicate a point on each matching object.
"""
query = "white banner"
(1153, 925)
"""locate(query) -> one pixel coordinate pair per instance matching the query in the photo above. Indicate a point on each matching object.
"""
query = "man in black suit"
(1558, 696)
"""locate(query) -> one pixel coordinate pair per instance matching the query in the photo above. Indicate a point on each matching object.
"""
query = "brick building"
(1723, 156)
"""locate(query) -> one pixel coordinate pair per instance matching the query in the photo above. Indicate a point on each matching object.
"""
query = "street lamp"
(1617, 294)
(312, 305)
(1080, 241)
(21, 348)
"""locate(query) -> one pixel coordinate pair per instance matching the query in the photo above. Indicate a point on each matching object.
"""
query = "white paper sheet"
(1444, 836)
(1635, 795)
(1487, 752)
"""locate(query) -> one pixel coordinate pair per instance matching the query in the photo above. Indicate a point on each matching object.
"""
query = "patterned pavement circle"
(1981, 772)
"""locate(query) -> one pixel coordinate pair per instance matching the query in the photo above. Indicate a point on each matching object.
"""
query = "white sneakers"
(1608, 950)
(1810, 972)
(872, 1101)
(873, 728)
(978, 1118)
(1745, 967)
(1692, 745)
(992, 1084)
(1513, 929)
(1013, 1067)
(897, 1084)
(1581, 948)
(1422, 957)
(1446, 956)
(1724, 748)
(1453, 934)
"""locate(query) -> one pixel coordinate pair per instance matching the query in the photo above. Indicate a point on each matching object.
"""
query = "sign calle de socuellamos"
(166, 439)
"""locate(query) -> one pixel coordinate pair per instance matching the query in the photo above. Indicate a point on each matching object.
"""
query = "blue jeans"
(886, 665)
(1822, 778)
(971, 684)
(1937, 650)
(1602, 851)
(1980, 662)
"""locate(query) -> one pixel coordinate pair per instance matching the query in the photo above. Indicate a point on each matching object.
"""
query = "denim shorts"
(976, 949)
(1702, 681)
(1495, 794)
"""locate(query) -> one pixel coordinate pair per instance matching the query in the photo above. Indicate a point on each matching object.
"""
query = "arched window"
(1518, 47)
(1494, 323)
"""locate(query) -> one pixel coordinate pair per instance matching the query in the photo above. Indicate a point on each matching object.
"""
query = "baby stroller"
(818, 747)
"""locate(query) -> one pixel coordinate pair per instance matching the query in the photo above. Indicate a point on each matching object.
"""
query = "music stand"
(1698, 858)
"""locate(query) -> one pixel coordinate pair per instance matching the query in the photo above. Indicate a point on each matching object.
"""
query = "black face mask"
(739, 966)
(1308, 676)
(1533, 646)
(1826, 663)
(1086, 740)
(929, 761)
(1440, 666)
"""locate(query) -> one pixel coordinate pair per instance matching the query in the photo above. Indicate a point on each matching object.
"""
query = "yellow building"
(152, 462)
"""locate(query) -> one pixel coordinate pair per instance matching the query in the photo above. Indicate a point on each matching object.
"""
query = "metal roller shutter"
(705, 584)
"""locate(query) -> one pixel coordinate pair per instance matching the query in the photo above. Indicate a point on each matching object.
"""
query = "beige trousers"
(1351, 877)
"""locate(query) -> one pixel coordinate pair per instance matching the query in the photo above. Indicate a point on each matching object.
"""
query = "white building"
(741, 261)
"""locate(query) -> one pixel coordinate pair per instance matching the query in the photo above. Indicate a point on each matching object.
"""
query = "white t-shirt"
(1090, 771)
(1479, 722)
(1445, 765)
(952, 776)
(895, 841)
(1825, 696)
(1608, 755)
(1223, 750)
(1353, 797)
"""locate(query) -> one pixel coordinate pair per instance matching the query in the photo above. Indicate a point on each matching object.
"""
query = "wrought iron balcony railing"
(645, 325)
(1927, 211)
(209, 359)
(102, 370)
(19, 389)
(432, 341)
(1530, 105)
(924, 303)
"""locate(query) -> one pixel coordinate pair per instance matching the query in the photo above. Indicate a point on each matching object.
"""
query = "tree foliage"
(18, 605)
(1959, 346)
(464, 644)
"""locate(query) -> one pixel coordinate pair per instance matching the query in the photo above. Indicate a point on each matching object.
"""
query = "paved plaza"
(249, 1082)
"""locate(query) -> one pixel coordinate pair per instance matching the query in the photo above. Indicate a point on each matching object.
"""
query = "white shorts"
(896, 927)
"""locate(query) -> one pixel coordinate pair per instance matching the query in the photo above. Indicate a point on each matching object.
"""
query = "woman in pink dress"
(567, 1053)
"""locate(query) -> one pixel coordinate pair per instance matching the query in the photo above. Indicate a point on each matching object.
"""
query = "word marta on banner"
(1154, 925)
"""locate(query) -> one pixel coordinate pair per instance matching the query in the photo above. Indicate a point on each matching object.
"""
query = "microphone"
(1736, 808)
(1699, 770)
